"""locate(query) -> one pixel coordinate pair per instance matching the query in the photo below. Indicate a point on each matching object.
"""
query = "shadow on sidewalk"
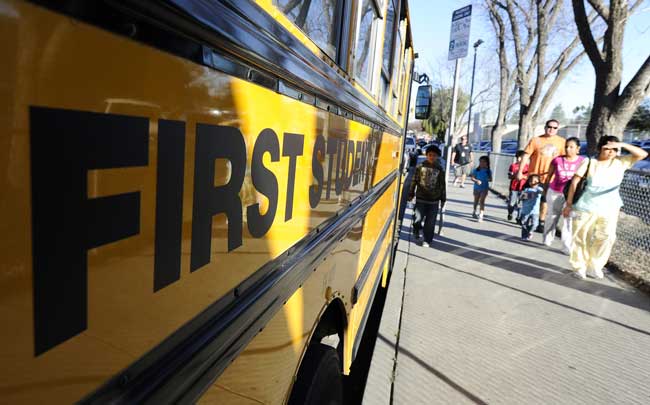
(528, 267)
(477, 253)
(575, 284)
(437, 373)
(486, 218)
(471, 202)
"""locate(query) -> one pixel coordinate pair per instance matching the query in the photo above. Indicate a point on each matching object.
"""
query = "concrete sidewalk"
(483, 317)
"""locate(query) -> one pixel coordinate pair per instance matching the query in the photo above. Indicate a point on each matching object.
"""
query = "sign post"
(458, 43)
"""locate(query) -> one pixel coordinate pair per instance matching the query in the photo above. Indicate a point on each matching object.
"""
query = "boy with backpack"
(429, 189)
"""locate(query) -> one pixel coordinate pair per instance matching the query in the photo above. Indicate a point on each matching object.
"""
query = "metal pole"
(471, 94)
(452, 119)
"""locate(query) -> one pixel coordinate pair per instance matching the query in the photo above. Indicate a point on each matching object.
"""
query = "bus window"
(366, 40)
(319, 19)
(389, 39)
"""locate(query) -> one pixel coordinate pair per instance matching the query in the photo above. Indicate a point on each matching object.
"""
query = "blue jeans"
(427, 213)
(513, 200)
(529, 223)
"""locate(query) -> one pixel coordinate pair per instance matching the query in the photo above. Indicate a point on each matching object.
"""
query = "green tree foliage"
(438, 120)
(582, 114)
(641, 118)
(558, 114)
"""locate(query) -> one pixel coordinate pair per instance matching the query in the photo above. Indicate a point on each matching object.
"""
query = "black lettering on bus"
(340, 162)
(65, 145)
(316, 190)
(292, 146)
(265, 182)
(169, 203)
(332, 147)
(349, 165)
(216, 142)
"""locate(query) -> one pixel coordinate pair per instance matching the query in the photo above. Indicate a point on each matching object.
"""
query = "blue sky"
(431, 22)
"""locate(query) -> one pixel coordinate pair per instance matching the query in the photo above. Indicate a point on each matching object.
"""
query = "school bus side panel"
(61, 75)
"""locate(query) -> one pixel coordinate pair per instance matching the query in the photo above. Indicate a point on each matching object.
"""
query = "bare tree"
(542, 61)
(506, 76)
(612, 108)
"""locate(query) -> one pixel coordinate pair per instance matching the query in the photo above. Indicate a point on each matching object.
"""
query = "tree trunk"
(498, 130)
(612, 109)
(525, 126)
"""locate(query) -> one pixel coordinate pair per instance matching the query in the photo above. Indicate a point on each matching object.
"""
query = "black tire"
(319, 381)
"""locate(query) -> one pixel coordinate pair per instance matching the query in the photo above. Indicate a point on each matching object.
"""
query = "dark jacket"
(430, 182)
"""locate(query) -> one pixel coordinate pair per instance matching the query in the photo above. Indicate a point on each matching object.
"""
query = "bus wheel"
(319, 381)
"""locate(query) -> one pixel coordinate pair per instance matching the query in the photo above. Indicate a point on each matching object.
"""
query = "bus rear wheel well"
(332, 321)
(321, 370)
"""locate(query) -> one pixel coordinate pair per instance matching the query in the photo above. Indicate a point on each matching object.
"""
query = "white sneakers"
(582, 274)
(480, 217)
(425, 244)
(597, 273)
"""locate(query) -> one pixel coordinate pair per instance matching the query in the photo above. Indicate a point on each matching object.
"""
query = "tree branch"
(555, 84)
(635, 6)
(542, 37)
(635, 90)
(517, 40)
(586, 36)
(600, 9)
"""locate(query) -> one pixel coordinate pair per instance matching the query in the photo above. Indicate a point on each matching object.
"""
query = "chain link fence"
(631, 253)
(499, 163)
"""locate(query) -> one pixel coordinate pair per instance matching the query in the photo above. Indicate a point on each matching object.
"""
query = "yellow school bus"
(198, 197)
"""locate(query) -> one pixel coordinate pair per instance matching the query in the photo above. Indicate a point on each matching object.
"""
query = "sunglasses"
(550, 127)
(612, 149)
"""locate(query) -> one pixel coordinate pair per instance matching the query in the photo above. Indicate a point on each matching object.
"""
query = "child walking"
(430, 192)
(531, 197)
(516, 185)
(481, 176)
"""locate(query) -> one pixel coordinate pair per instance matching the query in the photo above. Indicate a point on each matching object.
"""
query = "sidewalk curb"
(379, 385)
(634, 280)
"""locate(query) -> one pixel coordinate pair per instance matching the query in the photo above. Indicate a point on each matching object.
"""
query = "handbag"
(580, 188)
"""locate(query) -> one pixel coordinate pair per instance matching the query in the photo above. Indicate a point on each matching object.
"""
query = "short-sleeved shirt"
(531, 197)
(564, 171)
(542, 150)
(484, 175)
(462, 152)
(601, 195)
(517, 185)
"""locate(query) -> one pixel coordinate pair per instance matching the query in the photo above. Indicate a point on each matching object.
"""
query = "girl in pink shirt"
(560, 173)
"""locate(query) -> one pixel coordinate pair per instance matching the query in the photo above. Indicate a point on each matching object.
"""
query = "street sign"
(459, 37)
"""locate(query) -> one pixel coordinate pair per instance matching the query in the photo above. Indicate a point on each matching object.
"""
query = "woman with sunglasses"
(595, 214)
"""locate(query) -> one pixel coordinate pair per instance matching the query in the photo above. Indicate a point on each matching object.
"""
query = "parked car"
(485, 146)
(409, 146)
(509, 147)
(410, 151)
(644, 164)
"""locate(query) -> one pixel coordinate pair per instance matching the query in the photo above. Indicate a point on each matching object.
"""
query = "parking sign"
(459, 37)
